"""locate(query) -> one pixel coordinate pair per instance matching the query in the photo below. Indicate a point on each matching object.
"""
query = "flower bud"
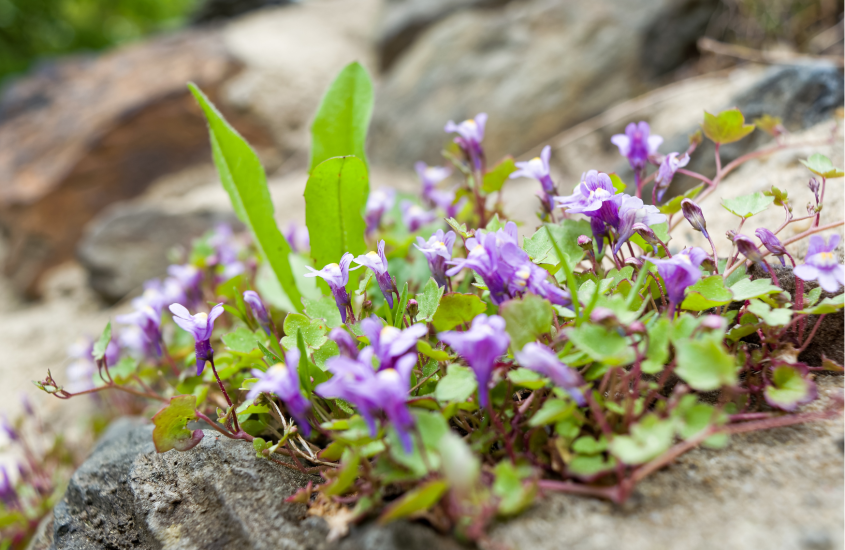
(772, 243)
(603, 316)
(694, 216)
(748, 249)
(585, 242)
(637, 327)
(814, 186)
(713, 322)
(636, 262)
(646, 233)
(413, 307)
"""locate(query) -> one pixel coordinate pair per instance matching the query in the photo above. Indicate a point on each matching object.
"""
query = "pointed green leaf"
(429, 300)
(340, 127)
(455, 309)
(748, 205)
(726, 127)
(496, 176)
(102, 343)
(335, 197)
(821, 166)
(244, 180)
(539, 246)
(414, 501)
(526, 319)
(170, 430)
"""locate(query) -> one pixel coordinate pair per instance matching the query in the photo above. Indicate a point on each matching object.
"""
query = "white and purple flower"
(666, 172)
(378, 263)
(379, 202)
(679, 272)
(336, 276)
(470, 135)
(821, 264)
(637, 145)
(543, 360)
(283, 380)
(415, 216)
(438, 251)
(200, 326)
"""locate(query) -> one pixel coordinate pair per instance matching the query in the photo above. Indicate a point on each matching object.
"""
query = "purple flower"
(189, 277)
(347, 345)
(158, 294)
(772, 243)
(481, 345)
(540, 358)
(149, 321)
(538, 169)
(631, 210)
(671, 163)
(821, 265)
(695, 217)
(430, 176)
(390, 344)
(354, 380)
(227, 248)
(415, 216)
(438, 251)
(470, 135)
(636, 144)
(679, 272)
(297, 237)
(200, 326)
(6, 426)
(8, 494)
(283, 380)
(599, 230)
(258, 310)
(595, 188)
(336, 276)
(379, 202)
(378, 263)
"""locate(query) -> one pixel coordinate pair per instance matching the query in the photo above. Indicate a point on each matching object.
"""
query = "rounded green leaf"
(455, 309)
(821, 166)
(789, 389)
(704, 364)
(170, 423)
(726, 127)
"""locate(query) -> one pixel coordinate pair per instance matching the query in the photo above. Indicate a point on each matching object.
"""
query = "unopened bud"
(603, 316)
(713, 322)
(814, 186)
(585, 242)
(413, 307)
(694, 216)
(646, 233)
(748, 249)
(772, 243)
(637, 327)
(634, 261)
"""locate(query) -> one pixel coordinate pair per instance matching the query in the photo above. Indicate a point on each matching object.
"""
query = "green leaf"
(244, 180)
(694, 417)
(828, 305)
(726, 127)
(241, 340)
(496, 176)
(707, 293)
(589, 465)
(414, 501)
(566, 234)
(789, 389)
(400, 309)
(748, 205)
(494, 224)
(346, 476)
(313, 332)
(674, 205)
(323, 308)
(340, 126)
(436, 354)
(772, 317)
(512, 487)
(456, 309)
(102, 343)
(768, 123)
(335, 197)
(526, 379)
(821, 166)
(526, 319)
(429, 300)
(170, 430)
(459, 464)
(745, 289)
(122, 372)
(704, 364)
(324, 353)
(602, 344)
(649, 438)
(458, 384)
(552, 411)
(658, 347)
(587, 445)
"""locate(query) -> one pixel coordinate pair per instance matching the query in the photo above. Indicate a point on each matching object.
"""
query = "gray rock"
(404, 20)
(536, 67)
(217, 495)
(802, 96)
(128, 244)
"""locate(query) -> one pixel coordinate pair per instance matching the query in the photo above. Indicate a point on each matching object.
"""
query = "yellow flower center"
(373, 255)
(201, 316)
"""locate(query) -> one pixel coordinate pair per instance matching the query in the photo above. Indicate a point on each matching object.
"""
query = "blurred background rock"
(104, 157)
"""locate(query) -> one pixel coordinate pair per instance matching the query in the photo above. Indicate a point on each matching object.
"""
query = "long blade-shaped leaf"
(244, 180)
(340, 127)
(335, 196)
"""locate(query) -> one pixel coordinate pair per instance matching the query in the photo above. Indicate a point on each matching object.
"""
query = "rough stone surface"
(778, 489)
(535, 67)
(128, 244)
(218, 495)
(116, 123)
